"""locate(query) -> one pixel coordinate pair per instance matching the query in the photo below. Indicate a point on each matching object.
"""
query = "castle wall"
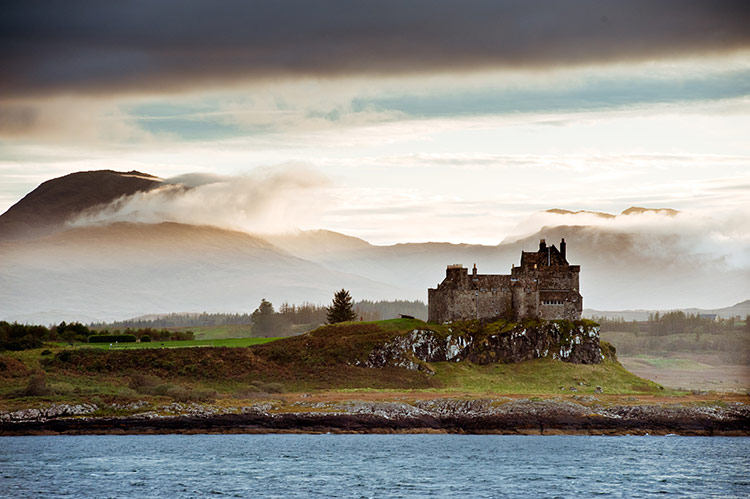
(545, 286)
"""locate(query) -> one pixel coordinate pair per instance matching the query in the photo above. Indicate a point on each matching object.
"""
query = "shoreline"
(448, 416)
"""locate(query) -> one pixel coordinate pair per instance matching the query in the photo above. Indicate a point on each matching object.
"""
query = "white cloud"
(263, 201)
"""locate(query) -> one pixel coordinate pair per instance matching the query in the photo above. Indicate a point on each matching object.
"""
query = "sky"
(388, 120)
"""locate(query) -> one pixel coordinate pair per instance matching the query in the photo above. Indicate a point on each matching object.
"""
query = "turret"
(562, 248)
(542, 245)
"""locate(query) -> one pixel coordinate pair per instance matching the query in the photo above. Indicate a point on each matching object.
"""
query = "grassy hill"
(322, 360)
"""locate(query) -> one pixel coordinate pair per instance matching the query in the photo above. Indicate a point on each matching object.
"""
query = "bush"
(37, 386)
(145, 339)
(143, 382)
(112, 338)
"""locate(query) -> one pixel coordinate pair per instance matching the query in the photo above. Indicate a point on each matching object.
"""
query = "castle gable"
(543, 286)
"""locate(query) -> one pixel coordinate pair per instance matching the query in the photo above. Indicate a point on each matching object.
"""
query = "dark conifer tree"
(342, 308)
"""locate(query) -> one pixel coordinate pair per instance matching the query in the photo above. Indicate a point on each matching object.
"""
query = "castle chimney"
(562, 247)
(474, 272)
(542, 245)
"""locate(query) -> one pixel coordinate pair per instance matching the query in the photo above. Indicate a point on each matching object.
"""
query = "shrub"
(145, 339)
(37, 386)
(143, 382)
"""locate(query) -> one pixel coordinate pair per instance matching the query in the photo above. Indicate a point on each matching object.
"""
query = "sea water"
(177, 466)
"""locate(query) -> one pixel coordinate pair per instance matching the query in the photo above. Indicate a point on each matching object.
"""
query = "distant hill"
(123, 270)
(741, 309)
(45, 209)
(50, 271)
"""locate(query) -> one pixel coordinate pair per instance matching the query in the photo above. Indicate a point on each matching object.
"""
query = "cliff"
(503, 342)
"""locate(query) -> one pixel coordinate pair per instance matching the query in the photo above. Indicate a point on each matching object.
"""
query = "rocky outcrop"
(502, 416)
(577, 343)
(46, 413)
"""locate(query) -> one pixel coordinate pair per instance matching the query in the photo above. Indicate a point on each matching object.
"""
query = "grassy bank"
(321, 361)
(225, 342)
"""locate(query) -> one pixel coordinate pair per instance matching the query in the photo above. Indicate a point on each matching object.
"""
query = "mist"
(723, 238)
(263, 201)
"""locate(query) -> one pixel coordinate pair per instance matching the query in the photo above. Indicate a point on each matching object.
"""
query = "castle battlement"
(544, 285)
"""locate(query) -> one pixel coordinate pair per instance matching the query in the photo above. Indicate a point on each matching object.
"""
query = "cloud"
(81, 46)
(266, 201)
(725, 237)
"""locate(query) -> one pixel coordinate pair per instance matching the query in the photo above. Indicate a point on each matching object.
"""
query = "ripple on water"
(177, 466)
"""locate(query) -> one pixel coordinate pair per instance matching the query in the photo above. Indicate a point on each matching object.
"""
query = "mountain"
(124, 270)
(619, 269)
(46, 209)
(113, 271)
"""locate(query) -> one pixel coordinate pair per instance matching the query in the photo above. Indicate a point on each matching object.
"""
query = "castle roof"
(546, 256)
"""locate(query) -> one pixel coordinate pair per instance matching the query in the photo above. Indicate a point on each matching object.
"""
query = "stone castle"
(544, 286)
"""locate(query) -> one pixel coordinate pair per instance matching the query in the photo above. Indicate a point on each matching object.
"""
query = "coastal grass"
(322, 361)
(217, 342)
(542, 376)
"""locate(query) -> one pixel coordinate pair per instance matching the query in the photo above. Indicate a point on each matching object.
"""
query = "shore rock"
(501, 416)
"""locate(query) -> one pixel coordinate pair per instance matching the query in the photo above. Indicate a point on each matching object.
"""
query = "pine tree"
(342, 309)
(266, 322)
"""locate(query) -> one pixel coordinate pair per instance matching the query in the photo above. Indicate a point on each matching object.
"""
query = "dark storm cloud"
(85, 46)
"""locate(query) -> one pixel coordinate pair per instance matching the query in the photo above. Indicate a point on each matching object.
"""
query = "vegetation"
(675, 332)
(324, 359)
(341, 309)
(306, 313)
(17, 337)
(266, 322)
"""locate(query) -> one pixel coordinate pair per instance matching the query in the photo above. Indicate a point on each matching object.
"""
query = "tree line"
(306, 313)
(679, 332)
(15, 336)
(676, 322)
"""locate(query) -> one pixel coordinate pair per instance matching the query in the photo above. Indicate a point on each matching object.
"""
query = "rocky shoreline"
(485, 416)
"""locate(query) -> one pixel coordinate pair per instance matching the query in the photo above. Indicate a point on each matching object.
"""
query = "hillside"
(112, 271)
(399, 354)
(121, 270)
(351, 377)
(45, 209)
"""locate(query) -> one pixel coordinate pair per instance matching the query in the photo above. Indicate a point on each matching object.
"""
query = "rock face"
(501, 416)
(574, 342)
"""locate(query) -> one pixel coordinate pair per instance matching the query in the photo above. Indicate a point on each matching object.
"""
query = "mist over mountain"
(46, 209)
(61, 258)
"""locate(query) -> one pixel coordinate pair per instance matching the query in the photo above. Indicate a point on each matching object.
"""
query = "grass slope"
(322, 360)
(220, 342)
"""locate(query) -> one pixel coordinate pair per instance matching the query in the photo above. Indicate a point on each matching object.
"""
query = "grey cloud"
(90, 46)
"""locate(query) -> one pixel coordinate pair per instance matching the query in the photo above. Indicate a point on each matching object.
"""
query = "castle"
(543, 286)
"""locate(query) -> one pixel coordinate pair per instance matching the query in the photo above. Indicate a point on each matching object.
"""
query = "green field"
(225, 342)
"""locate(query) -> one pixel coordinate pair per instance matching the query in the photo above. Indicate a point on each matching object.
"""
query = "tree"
(266, 322)
(263, 318)
(342, 309)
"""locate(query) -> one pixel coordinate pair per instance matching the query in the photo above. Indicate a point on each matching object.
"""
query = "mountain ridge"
(103, 271)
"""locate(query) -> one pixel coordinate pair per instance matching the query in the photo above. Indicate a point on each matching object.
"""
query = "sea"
(289, 466)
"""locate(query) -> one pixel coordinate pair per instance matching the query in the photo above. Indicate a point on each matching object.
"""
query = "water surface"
(179, 466)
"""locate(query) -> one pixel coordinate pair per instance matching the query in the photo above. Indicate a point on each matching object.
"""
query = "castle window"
(552, 302)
